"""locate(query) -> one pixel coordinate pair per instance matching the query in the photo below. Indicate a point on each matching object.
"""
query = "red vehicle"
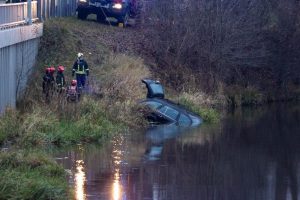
(119, 9)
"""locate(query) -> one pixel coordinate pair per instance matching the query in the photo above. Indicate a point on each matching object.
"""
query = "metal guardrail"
(16, 12)
(57, 8)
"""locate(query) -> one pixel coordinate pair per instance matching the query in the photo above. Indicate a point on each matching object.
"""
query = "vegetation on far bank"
(248, 52)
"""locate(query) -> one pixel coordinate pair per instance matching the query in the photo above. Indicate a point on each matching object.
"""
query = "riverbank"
(27, 174)
(107, 107)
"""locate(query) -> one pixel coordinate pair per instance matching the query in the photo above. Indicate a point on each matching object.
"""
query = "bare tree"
(283, 35)
(252, 42)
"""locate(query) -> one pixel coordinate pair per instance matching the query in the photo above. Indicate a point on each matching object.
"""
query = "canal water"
(252, 154)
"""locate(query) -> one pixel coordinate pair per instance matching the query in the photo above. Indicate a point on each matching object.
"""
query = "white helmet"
(79, 55)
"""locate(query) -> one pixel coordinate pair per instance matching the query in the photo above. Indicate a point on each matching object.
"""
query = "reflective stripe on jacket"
(80, 67)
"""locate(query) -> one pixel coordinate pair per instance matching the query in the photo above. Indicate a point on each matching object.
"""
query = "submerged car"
(164, 111)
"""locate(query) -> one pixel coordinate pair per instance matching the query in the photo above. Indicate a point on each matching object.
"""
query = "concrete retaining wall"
(18, 51)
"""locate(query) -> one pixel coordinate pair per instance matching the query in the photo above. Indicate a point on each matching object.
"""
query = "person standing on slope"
(81, 69)
(60, 79)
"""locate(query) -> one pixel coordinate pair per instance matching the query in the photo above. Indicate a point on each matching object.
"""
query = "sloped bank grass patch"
(201, 105)
(31, 175)
(120, 83)
(42, 127)
(95, 119)
(85, 122)
(9, 125)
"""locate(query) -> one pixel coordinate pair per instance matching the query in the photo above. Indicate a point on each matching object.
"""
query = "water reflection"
(158, 135)
(253, 155)
(118, 162)
(117, 188)
(80, 180)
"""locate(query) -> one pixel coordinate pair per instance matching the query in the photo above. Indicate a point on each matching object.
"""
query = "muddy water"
(253, 154)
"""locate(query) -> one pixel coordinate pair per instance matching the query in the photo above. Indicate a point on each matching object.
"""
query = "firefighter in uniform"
(48, 83)
(60, 79)
(81, 69)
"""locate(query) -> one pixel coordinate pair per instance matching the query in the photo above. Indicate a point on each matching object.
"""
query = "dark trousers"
(80, 80)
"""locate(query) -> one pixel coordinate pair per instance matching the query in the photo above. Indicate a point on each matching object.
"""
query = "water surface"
(253, 154)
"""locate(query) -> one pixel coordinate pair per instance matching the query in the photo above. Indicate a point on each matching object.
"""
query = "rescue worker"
(48, 82)
(81, 69)
(52, 70)
(60, 79)
(72, 92)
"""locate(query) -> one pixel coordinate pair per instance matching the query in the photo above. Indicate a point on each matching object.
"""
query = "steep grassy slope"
(105, 109)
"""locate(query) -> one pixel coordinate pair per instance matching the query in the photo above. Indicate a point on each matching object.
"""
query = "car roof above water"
(195, 119)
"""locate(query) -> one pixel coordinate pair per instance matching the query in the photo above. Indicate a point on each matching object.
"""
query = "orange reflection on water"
(80, 180)
(117, 189)
(117, 156)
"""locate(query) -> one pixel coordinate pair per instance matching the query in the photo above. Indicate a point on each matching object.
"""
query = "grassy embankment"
(115, 88)
(31, 175)
(109, 109)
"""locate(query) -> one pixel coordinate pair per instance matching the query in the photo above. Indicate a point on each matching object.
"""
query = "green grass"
(31, 175)
(9, 125)
(42, 127)
(209, 115)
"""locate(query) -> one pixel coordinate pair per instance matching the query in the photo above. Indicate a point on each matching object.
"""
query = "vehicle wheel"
(100, 17)
(124, 20)
(82, 14)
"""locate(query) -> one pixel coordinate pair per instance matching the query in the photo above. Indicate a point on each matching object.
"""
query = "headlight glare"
(117, 6)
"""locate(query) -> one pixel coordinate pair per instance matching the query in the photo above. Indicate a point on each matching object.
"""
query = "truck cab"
(121, 10)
